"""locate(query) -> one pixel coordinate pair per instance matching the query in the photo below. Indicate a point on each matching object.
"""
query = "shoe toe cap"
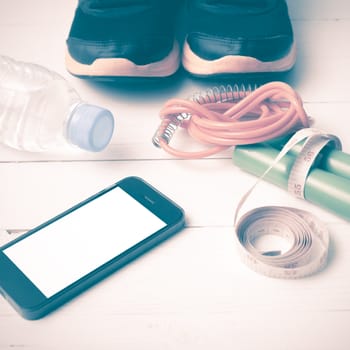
(265, 49)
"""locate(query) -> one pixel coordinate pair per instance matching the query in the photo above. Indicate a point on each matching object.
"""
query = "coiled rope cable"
(229, 116)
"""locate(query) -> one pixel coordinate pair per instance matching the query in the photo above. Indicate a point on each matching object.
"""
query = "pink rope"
(271, 110)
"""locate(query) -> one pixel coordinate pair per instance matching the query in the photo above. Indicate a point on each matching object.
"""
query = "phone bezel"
(31, 303)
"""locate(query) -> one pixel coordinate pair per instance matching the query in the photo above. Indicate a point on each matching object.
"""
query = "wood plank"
(191, 292)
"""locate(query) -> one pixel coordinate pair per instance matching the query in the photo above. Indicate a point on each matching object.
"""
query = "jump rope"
(253, 120)
(228, 116)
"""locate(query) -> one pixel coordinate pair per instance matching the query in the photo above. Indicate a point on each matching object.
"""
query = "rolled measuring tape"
(306, 237)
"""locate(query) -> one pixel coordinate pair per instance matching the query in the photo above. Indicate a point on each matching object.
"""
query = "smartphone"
(62, 257)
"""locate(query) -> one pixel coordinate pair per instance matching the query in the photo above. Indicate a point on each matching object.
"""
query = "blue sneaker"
(238, 36)
(123, 38)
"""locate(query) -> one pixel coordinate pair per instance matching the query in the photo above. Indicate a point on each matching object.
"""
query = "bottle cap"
(90, 127)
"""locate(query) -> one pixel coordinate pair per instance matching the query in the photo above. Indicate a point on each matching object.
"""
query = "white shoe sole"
(234, 64)
(122, 67)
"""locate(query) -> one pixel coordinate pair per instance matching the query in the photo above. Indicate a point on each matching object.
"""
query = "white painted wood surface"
(192, 292)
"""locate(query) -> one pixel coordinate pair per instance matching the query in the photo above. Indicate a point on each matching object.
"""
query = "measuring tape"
(312, 147)
(307, 237)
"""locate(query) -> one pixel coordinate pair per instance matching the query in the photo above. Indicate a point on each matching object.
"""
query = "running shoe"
(123, 38)
(238, 36)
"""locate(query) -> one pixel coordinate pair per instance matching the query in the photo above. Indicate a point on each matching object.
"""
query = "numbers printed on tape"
(312, 147)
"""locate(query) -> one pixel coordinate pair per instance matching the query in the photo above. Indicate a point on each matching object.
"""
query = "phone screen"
(67, 249)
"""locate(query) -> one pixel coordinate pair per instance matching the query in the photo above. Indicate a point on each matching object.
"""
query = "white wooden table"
(192, 292)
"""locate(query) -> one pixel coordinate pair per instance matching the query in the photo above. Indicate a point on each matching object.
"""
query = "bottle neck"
(73, 108)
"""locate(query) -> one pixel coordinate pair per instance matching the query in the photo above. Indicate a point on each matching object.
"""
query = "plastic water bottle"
(40, 111)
